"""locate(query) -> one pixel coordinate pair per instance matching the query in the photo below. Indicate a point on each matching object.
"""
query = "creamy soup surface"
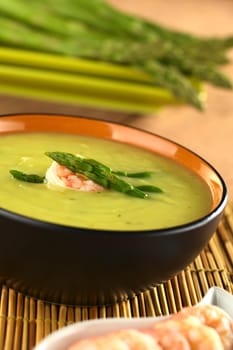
(185, 196)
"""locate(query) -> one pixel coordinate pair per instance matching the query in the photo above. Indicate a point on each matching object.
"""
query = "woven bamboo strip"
(78, 314)
(228, 215)
(213, 266)
(175, 285)
(47, 321)
(156, 302)
(222, 242)
(54, 318)
(70, 315)
(186, 301)
(142, 306)
(111, 310)
(125, 309)
(84, 314)
(138, 312)
(19, 322)
(149, 304)
(227, 241)
(10, 321)
(170, 297)
(40, 321)
(221, 263)
(192, 291)
(3, 315)
(135, 307)
(32, 323)
(215, 246)
(93, 313)
(25, 335)
(196, 282)
(229, 248)
(115, 310)
(207, 270)
(62, 316)
(102, 312)
(203, 281)
(163, 300)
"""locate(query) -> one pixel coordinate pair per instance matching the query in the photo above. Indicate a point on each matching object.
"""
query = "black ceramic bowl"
(88, 267)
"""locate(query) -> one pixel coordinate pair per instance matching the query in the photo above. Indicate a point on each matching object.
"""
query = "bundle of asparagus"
(96, 30)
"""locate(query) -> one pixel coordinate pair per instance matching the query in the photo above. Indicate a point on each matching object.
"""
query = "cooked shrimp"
(169, 338)
(59, 175)
(197, 336)
(122, 340)
(213, 317)
(204, 327)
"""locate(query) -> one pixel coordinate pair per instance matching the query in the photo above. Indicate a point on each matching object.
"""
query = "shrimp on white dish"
(130, 339)
(214, 317)
(186, 334)
(168, 337)
(60, 175)
(201, 327)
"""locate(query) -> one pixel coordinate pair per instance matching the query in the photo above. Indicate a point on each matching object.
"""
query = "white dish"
(61, 339)
(219, 297)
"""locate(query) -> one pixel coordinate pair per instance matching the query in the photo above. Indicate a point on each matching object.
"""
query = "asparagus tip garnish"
(100, 173)
(33, 178)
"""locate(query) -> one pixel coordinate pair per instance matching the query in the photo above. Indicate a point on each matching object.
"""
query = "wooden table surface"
(208, 133)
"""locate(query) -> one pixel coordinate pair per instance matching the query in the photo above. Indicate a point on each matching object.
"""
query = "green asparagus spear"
(37, 14)
(105, 169)
(96, 30)
(173, 80)
(146, 29)
(97, 172)
(33, 178)
(113, 51)
(16, 34)
(148, 188)
(84, 12)
(92, 16)
(108, 50)
(89, 45)
(104, 17)
(135, 175)
(200, 70)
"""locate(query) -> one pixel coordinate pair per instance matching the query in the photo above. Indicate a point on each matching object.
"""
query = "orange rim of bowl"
(86, 126)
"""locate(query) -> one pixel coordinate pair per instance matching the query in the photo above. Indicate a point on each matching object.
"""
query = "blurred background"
(208, 132)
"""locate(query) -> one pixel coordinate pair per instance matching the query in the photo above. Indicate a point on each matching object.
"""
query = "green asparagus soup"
(184, 196)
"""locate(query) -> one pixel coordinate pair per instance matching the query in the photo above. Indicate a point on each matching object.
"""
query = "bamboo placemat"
(25, 321)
